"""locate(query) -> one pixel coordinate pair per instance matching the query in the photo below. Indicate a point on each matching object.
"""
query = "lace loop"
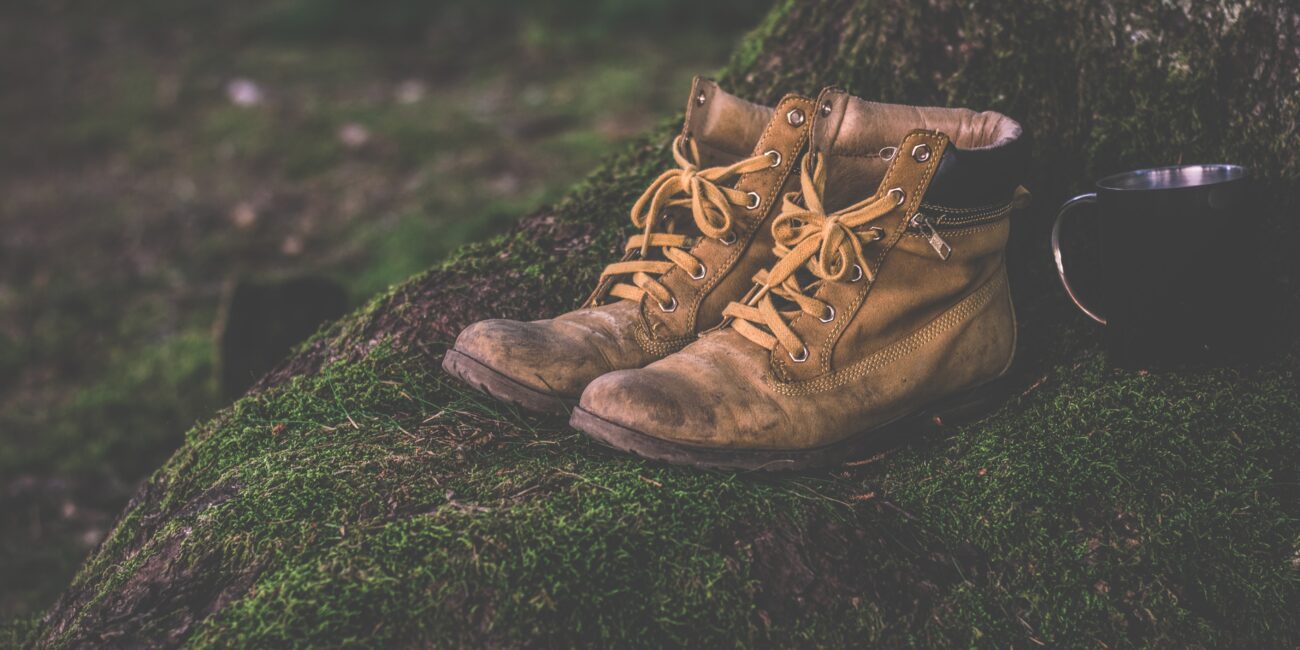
(831, 247)
(699, 190)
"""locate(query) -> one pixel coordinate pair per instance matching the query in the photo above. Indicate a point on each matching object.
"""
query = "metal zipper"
(921, 223)
(935, 218)
(943, 218)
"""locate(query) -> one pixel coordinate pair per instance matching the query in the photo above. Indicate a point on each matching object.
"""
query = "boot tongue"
(725, 127)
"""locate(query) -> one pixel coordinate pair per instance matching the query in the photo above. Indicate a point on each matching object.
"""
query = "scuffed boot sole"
(948, 411)
(477, 375)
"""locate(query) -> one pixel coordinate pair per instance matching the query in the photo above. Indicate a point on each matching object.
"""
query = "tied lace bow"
(710, 204)
(829, 246)
(687, 186)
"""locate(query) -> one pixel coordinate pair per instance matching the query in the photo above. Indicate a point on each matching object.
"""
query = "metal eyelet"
(774, 155)
(754, 200)
(728, 238)
(703, 271)
(700, 98)
(827, 107)
(672, 305)
(877, 231)
(857, 273)
(902, 196)
(828, 315)
(893, 151)
(795, 117)
(921, 152)
(803, 355)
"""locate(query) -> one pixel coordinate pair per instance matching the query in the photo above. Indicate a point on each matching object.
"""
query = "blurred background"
(178, 174)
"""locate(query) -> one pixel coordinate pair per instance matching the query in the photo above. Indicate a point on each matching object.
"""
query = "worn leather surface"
(731, 267)
(720, 392)
(924, 329)
(560, 356)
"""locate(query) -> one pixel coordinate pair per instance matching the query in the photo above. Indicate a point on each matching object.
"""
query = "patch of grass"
(399, 490)
(17, 632)
(1103, 505)
(138, 189)
(747, 52)
(115, 124)
(1153, 503)
(109, 420)
(375, 501)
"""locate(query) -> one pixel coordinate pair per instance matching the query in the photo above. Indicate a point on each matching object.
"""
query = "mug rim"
(1220, 173)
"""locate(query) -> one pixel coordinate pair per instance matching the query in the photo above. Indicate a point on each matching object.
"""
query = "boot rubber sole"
(954, 409)
(479, 375)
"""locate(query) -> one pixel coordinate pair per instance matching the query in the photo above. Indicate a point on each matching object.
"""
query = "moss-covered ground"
(376, 503)
(156, 153)
(359, 497)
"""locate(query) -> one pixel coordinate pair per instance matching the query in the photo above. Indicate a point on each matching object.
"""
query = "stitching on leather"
(948, 219)
(857, 155)
(998, 213)
(955, 315)
(751, 228)
(692, 313)
(826, 349)
(941, 143)
(982, 208)
(660, 347)
(655, 345)
(1015, 324)
(960, 232)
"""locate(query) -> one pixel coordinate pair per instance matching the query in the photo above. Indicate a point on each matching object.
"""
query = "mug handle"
(1089, 198)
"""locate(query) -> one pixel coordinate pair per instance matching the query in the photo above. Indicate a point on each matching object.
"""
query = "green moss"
(377, 490)
(16, 633)
(108, 420)
(375, 502)
(751, 47)
(1150, 501)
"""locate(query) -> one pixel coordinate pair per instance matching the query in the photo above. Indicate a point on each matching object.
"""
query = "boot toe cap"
(662, 405)
(532, 354)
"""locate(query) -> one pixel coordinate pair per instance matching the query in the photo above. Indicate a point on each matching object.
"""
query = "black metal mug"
(1171, 254)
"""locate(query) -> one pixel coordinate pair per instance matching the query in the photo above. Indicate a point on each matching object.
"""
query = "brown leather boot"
(885, 309)
(704, 233)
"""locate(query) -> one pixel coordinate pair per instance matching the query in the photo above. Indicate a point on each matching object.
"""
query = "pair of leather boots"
(808, 284)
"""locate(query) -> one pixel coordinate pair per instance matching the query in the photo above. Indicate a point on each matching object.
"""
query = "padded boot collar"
(724, 125)
(969, 178)
(987, 158)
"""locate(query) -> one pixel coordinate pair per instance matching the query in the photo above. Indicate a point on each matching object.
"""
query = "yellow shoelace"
(829, 246)
(710, 203)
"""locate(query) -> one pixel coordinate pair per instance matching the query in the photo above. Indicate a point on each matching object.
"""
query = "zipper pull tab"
(922, 223)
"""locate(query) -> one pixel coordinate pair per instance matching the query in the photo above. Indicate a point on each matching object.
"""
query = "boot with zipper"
(704, 232)
(888, 306)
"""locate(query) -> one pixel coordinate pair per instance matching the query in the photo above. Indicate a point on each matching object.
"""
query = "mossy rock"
(358, 497)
